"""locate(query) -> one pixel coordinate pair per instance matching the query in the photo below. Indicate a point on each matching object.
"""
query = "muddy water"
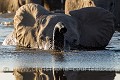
(84, 63)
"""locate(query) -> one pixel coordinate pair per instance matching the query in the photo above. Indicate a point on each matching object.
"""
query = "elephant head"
(57, 31)
(52, 39)
(36, 27)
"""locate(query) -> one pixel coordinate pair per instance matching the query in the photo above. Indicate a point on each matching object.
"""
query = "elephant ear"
(24, 24)
(96, 26)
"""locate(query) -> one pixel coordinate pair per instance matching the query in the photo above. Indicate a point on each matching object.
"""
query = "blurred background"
(10, 6)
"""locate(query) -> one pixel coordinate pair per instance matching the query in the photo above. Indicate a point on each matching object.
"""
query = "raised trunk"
(58, 37)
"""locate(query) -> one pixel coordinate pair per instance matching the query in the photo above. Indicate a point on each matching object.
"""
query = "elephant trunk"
(58, 36)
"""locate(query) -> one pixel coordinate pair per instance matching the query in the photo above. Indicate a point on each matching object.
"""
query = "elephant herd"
(86, 28)
(83, 26)
(111, 5)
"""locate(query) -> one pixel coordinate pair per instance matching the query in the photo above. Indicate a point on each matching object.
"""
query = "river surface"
(12, 57)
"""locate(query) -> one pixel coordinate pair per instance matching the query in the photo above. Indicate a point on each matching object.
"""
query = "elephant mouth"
(58, 37)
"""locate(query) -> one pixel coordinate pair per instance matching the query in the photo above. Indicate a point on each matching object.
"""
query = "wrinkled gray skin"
(36, 27)
(58, 30)
(96, 27)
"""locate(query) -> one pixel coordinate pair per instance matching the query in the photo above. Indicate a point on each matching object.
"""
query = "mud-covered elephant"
(35, 27)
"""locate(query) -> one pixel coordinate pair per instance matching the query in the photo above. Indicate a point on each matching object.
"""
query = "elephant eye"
(43, 20)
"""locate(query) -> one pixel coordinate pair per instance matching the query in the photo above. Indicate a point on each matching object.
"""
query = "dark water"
(72, 65)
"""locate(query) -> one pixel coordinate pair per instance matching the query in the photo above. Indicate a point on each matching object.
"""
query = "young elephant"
(35, 27)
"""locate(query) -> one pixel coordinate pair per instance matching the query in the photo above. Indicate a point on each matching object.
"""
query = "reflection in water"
(58, 61)
(11, 57)
(60, 74)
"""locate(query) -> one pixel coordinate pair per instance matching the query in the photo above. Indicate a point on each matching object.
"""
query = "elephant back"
(24, 23)
(96, 26)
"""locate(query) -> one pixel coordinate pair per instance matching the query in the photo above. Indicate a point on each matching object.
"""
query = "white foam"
(9, 40)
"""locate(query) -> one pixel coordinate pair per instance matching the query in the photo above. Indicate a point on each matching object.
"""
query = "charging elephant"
(35, 27)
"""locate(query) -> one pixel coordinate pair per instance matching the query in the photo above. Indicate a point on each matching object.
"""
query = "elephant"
(39, 34)
(77, 4)
(35, 27)
(10, 5)
(112, 6)
(13, 5)
(116, 12)
(108, 4)
(90, 19)
(50, 5)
